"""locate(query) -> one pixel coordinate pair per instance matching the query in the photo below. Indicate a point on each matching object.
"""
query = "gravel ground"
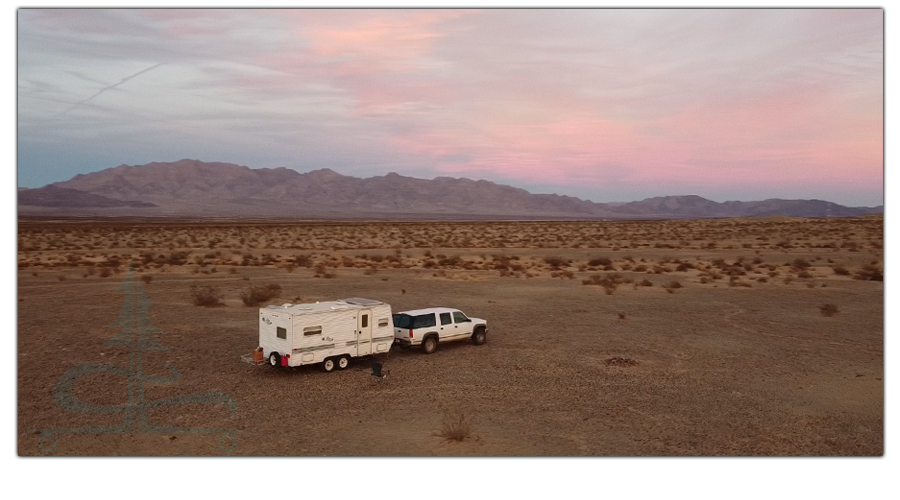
(712, 370)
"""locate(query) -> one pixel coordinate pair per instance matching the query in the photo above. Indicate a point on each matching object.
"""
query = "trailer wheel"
(343, 362)
(479, 337)
(429, 344)
(274, 359)
(328, 365)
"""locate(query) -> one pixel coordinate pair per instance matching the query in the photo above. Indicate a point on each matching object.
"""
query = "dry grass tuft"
(455, 428)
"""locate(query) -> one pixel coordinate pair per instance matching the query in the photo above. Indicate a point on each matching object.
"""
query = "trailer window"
(281, 332)
(365, 321)
(312, 330)
(423, 321)
(445, 319)
(382, 322)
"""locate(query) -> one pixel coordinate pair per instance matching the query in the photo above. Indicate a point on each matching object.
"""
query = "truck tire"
(274, 359)
(479, 337)
(343, 362)
(328, 365)
(429, 345)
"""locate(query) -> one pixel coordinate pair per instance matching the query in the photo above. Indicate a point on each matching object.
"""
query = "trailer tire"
(274, 359)
(480, 336)
(429, 344)
(328, 365)
(343, 362)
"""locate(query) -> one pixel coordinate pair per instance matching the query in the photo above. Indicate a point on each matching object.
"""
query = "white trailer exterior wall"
(303, 334)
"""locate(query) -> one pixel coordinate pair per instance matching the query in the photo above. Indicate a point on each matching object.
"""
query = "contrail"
(104, 89)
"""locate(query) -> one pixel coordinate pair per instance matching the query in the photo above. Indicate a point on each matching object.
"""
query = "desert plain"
(746, 337)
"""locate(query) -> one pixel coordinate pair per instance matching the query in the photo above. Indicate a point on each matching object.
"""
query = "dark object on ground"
(620, 361)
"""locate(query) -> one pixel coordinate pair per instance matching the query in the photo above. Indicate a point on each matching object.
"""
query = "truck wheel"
(274, 359)
(328, 365)
(479, 337)
(429, 345)
(343, 362)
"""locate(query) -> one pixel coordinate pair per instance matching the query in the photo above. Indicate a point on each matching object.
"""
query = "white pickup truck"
(431, 326)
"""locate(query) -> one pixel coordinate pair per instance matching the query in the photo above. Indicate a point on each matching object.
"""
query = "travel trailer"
(330, 333)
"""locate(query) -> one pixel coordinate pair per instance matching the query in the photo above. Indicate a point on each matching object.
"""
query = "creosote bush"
(257, 294)
(206, 296)
(828, 310)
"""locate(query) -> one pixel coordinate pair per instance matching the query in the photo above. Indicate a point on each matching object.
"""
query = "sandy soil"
(736, 359)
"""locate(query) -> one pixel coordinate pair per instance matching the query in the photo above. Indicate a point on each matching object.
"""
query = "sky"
(603, 104)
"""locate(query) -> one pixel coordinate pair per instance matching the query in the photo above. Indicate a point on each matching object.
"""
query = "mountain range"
(194, 188)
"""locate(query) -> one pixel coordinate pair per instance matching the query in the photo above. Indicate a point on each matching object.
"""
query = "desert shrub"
(869, 272)
(600, 262)
(800, 264)
(303, 260)
(555, 261)
(256, 294)
(146, 278)
(671, 286)
(61, 277)
(645, 282)
(105, 272)
(455, 428)
(453, 260)
(828, 310)
(205, 295)
(176, 258)
(609, 282)
(804, 274)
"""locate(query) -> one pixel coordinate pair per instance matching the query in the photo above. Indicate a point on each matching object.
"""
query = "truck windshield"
(402, 321)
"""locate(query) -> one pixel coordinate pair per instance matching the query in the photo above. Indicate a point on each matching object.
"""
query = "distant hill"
(196, 188)
(54, 196)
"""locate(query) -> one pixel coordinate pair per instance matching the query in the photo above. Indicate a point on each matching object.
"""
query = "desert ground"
(757, 336)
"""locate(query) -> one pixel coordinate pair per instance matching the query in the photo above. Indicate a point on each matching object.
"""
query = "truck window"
(445, 319)
(423, 321)
(459, 317)
(281, 332)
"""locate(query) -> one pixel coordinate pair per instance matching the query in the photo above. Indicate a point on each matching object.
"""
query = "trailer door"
(364, 332)
(277, 334)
